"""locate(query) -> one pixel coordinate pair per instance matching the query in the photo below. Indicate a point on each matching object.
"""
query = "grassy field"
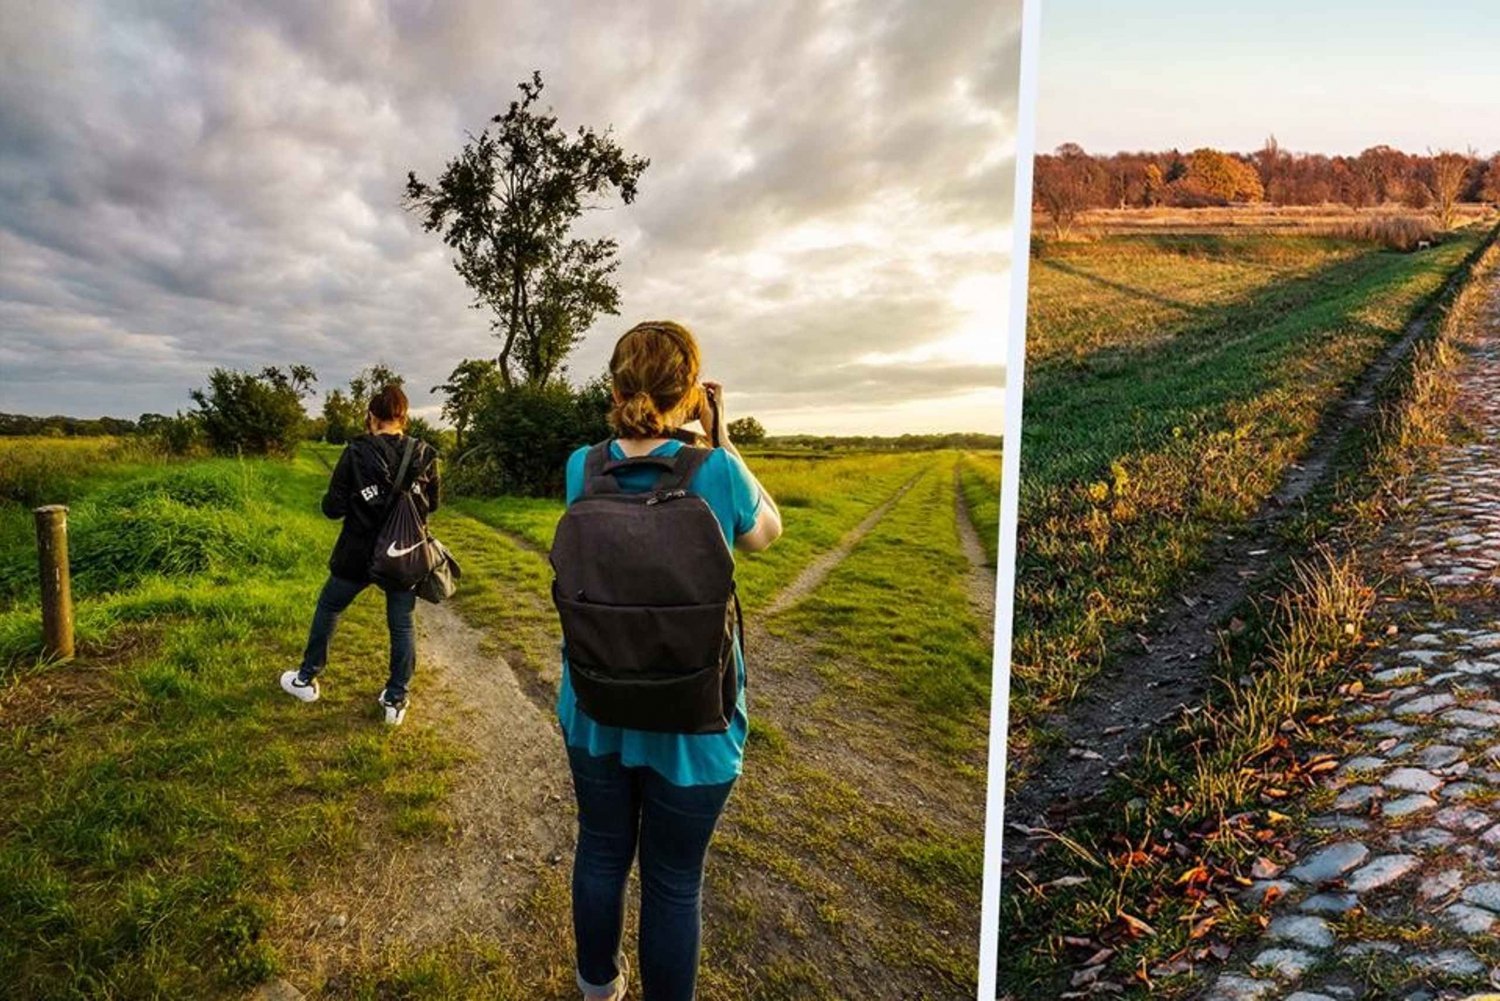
(1149, 879)
(168, 809)
(1176, 378)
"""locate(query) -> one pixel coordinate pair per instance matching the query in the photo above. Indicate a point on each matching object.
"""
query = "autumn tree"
(1489, 188)
(1066, 184)
(1446, 173)
(506, 205)
(1223, 177)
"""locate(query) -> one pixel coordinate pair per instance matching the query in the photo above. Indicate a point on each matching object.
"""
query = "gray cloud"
(219, 184)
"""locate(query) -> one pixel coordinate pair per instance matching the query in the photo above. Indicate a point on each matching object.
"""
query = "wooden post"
(57, 592)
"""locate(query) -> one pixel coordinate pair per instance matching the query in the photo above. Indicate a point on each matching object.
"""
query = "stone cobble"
(1396, 893)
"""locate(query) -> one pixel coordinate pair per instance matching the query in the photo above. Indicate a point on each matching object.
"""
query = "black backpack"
(402, 557)
(644, 586)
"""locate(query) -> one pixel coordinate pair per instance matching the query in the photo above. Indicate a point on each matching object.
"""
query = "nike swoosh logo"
(394, 552)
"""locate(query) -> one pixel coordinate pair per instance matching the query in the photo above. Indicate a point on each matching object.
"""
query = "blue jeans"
(623, 812)
(400, 607)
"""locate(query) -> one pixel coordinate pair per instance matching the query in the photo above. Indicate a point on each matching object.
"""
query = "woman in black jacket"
(359, 493)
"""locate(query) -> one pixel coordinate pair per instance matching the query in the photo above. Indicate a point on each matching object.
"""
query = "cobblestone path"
(1396, 893)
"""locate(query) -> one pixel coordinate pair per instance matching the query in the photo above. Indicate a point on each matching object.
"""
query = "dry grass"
(1304, 219)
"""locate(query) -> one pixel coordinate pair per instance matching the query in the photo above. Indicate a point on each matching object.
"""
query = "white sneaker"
(307, 691)
(395, 712)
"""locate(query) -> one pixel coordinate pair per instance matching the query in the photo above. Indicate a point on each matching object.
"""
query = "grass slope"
(1136, 451)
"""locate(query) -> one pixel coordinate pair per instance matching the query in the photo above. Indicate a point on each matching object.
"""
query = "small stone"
(1382, 871)
(276, 990)
(1365, 948)
(1336, 904)
(1356, 798)
(1428, 837)
(1472, 718)
(1312, 932)
(1364, 763)
(1463, 818)
(1426, 705)
(1330, 862)
(1449, 962)
(1470, 920)
(1407, 805)
(1486, 895)
(1440, 884)
(1412, 780)
(1232, 987)
(1288, 964)
(1439, 755)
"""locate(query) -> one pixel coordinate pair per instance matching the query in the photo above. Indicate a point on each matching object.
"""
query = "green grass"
(158, 790)
(1174, 837)
(158, 787)
(1138, 446)
(979, 479)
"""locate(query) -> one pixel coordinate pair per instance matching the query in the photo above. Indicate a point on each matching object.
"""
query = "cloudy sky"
(1333, 76)
(189, 185)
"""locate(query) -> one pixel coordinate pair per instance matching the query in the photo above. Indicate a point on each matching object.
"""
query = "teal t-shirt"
(684, 759)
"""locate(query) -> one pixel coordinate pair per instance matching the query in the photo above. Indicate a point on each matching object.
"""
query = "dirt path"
(1170, 672)
(981, 584)
(815, 572)
(511, 808)
(1395, 891)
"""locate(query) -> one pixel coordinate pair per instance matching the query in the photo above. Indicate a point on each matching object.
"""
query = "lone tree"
(1065, 184)
(506, 205)
(747, 430)
(1446, 174)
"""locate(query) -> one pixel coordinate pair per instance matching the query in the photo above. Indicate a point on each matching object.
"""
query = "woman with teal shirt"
(656, 796)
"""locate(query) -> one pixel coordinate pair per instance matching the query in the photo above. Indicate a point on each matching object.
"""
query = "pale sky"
(1328, 76)
(191, 185)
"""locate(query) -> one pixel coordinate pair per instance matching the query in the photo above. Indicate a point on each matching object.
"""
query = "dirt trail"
(981, 584)
(511, 810)
(815, 572)
(513, 802)
(1141, 691)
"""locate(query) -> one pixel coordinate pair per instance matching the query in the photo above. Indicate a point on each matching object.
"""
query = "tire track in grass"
(1149, 688)
(853, 824)
(981, 584)
(815, 572)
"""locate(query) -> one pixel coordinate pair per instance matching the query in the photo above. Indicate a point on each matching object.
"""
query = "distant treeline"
(877, 443)
(1071, 180)
(58, 426)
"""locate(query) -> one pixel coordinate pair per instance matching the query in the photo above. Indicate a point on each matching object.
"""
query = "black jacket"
(360, 489)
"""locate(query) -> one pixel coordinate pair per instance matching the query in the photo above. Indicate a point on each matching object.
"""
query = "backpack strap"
(689, 459)
(396, 488)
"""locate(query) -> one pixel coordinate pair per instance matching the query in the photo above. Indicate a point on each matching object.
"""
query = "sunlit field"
(169, 811)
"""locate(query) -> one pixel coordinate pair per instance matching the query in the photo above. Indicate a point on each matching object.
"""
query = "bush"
(1391, 231)
(245, 413)
(521, 438)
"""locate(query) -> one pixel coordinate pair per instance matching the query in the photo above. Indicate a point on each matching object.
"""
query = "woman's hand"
(711, 414)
